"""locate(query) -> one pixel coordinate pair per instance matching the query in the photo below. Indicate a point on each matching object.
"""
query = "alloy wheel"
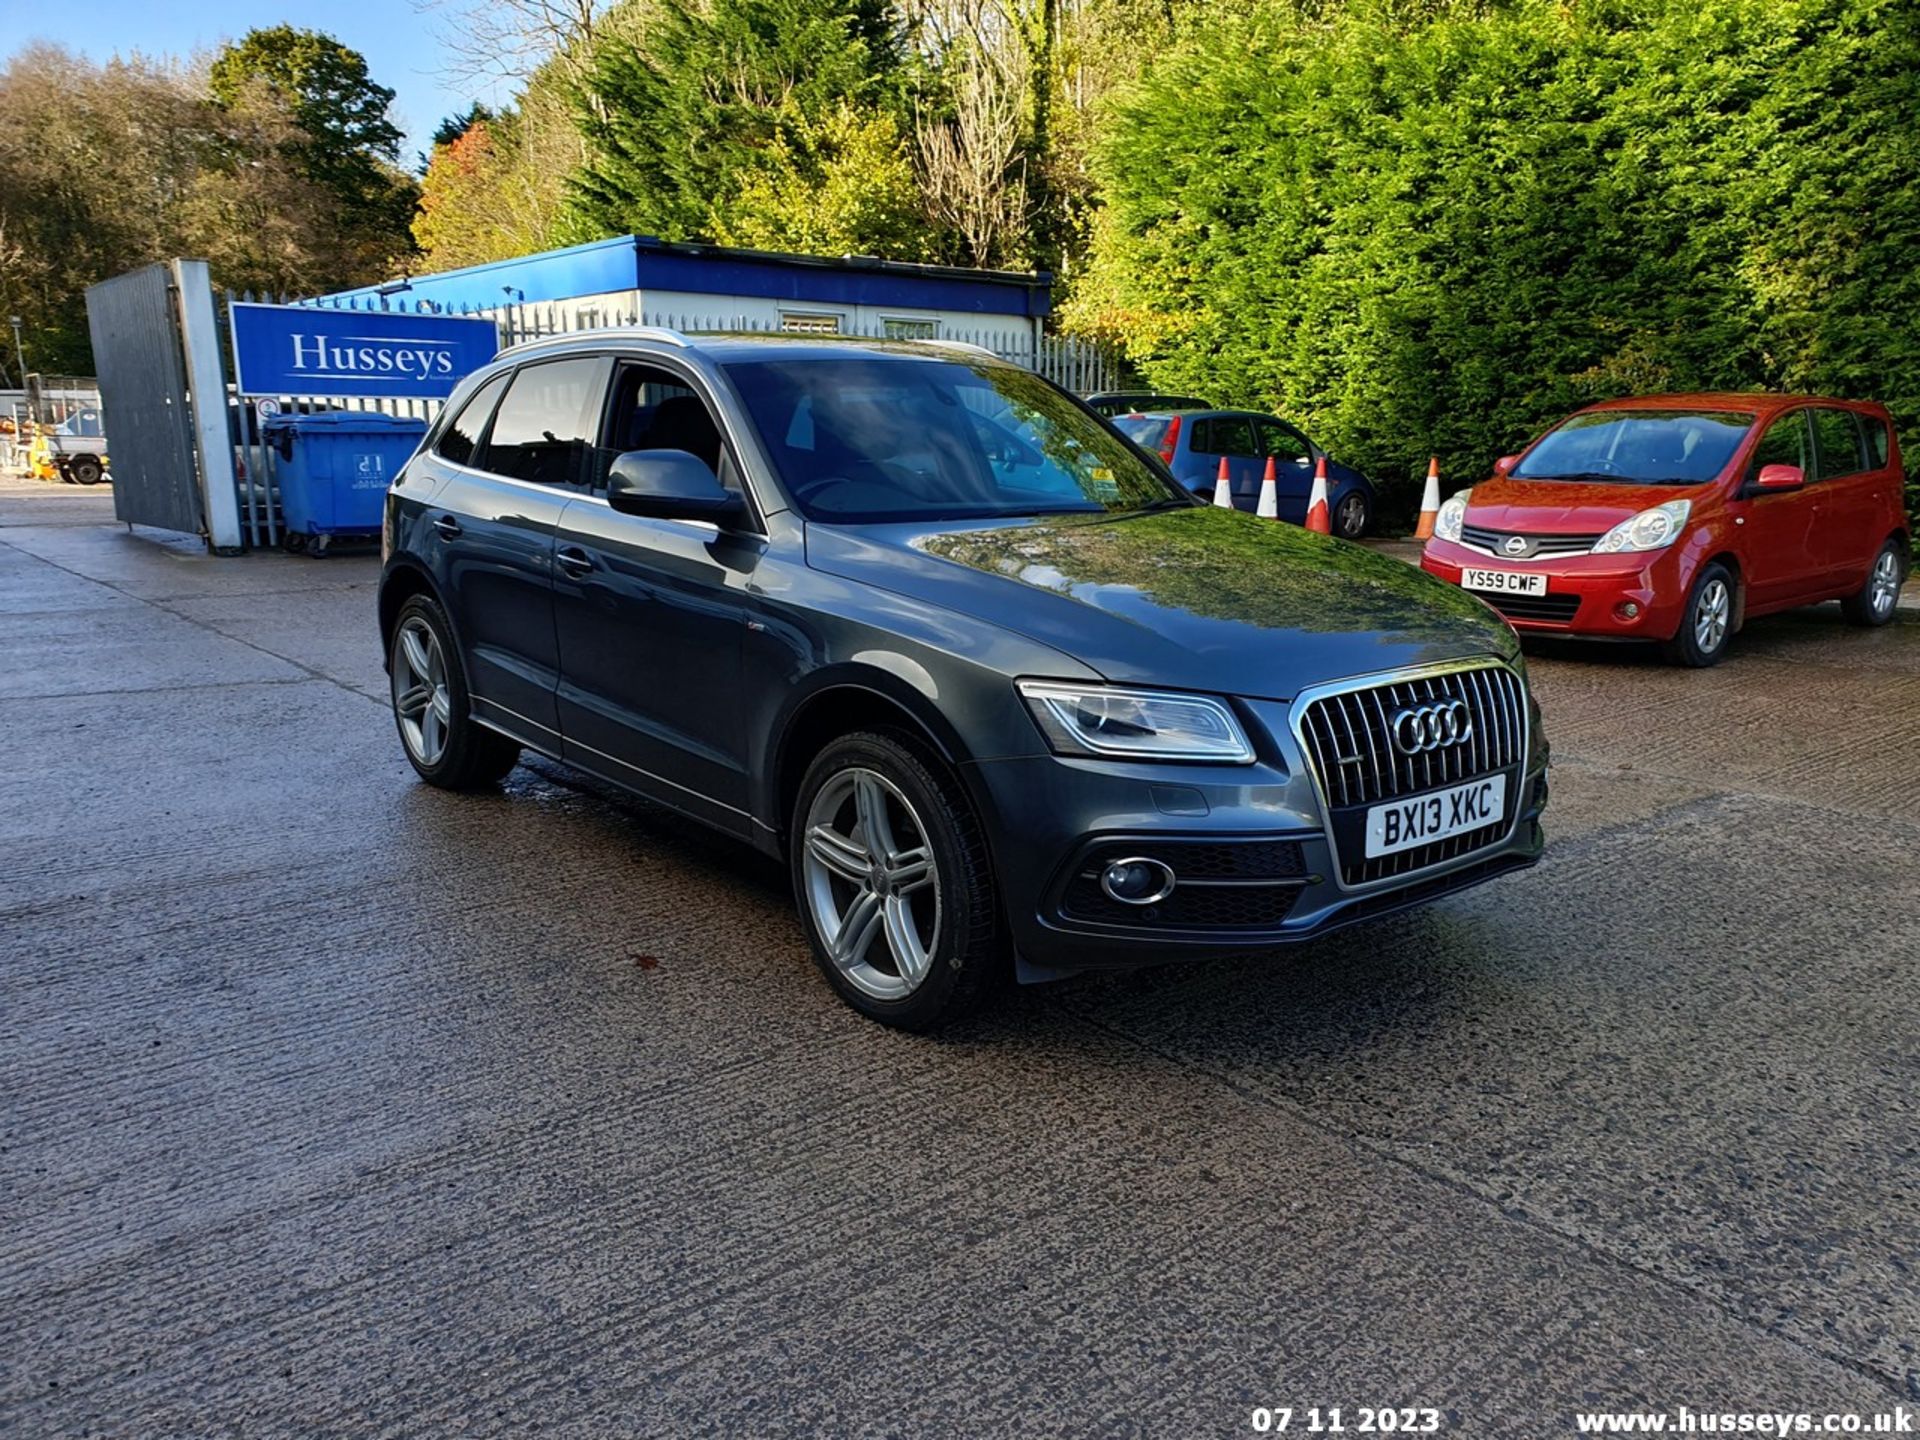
(1352, 516)
(1884, 588)
(420, 696)
(1711, 614)
(871, 883)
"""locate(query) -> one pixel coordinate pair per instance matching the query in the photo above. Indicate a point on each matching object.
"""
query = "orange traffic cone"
(1269, 507)
(1223, 487)
(1317, 501)
(1430, 502)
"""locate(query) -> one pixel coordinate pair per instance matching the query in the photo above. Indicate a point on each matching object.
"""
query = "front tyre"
(1706, 625)
(86, 470)
(893, 881)
(1873, 603)
(433, 708)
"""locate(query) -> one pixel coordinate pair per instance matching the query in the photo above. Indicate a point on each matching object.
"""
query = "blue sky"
(402, 45)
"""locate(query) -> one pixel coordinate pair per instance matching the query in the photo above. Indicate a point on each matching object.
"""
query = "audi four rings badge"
(1432, 727)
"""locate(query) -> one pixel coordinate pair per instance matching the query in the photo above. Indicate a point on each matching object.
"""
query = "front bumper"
(1248, 843)
(1586, 594)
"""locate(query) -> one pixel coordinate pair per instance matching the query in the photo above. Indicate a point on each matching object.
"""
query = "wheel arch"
(404, 579)
(1730, 562)
(854, 698)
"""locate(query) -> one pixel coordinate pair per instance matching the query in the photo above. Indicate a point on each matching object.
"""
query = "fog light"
(1137, 881)
(1627, 610)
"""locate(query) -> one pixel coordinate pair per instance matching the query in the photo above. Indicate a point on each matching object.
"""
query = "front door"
(652, 615)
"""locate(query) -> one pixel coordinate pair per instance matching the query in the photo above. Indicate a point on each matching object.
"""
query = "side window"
(1284, 443)
(462, 434)
(1875, 431)
(1785, 443)
(1837, 442)
(1223, 435)
(653, 409)
(546, 425)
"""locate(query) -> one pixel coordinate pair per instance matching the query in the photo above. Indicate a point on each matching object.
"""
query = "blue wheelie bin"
(334, 469)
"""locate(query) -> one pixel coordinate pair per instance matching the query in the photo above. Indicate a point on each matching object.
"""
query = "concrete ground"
(333, 1105)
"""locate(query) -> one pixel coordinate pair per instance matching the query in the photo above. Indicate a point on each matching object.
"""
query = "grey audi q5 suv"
(1004, 695)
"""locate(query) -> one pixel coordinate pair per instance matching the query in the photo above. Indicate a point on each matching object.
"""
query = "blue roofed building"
(637, 279)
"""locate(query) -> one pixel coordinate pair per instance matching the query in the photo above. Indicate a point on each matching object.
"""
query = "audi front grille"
(1347, 734)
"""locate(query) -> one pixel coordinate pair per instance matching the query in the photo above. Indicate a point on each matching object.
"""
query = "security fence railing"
(1082, 366)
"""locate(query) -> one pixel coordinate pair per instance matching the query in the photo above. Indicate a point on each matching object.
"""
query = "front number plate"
(1504, 582)
(1403, 824)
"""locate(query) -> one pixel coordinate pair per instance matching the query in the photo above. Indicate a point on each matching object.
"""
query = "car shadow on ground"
(1338, 995)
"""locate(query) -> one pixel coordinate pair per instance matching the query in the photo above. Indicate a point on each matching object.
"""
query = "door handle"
(447, 526)
(572, 559)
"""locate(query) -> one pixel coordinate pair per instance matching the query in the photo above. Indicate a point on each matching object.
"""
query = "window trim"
(1212, 421)
(481, 446)
(485, 428)
(1819, 451)
(1802, 413)
(757, 510)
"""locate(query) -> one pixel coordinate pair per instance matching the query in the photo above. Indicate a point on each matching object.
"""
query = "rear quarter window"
(1874, 430)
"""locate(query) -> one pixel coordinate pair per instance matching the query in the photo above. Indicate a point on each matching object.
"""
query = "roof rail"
(966, 345)
(658, 333)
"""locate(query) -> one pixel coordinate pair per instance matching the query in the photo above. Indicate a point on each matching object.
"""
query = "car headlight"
(1453, 514)
(1105, 720)
(1653, 529)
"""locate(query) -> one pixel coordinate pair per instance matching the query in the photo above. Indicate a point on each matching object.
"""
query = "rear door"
(651, 616)
(1230, 437)
(1783, 565)
(1851, 529)
(494, 523)
(1292, 466)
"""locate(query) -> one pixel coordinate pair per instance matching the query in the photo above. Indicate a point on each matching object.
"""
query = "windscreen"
(871, 438)
(1638, 447)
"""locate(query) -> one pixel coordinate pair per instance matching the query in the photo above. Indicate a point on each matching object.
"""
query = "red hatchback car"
(1676, 517)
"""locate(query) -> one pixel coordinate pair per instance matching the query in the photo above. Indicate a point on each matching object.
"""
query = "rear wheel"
(893, 881)
(1873, 603)
(1706, 626)
(86, 470)
(1350, 517)
(432, 707)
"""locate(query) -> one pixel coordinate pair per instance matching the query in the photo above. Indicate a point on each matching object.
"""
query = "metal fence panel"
(136, 348)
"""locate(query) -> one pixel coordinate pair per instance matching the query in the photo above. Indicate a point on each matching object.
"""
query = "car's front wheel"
(433, 708)
(893, 880)
(1873, 603)
(1706, 626)
(86, 470)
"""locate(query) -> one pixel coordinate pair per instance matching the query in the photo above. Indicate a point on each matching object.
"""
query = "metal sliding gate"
(158, 359)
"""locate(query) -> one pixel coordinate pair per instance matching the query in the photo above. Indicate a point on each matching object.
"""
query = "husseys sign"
(365, 354)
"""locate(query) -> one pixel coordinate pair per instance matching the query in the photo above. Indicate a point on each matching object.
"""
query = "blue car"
(1192, 443)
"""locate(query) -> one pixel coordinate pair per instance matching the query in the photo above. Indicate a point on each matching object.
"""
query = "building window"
(796, 322)
(911, 329)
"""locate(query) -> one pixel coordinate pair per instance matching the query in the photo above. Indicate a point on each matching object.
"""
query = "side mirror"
(1504, 465)
(1773, 478)
(670, 485)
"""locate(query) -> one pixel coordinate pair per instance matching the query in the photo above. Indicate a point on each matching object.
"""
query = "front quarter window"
(873, 438)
